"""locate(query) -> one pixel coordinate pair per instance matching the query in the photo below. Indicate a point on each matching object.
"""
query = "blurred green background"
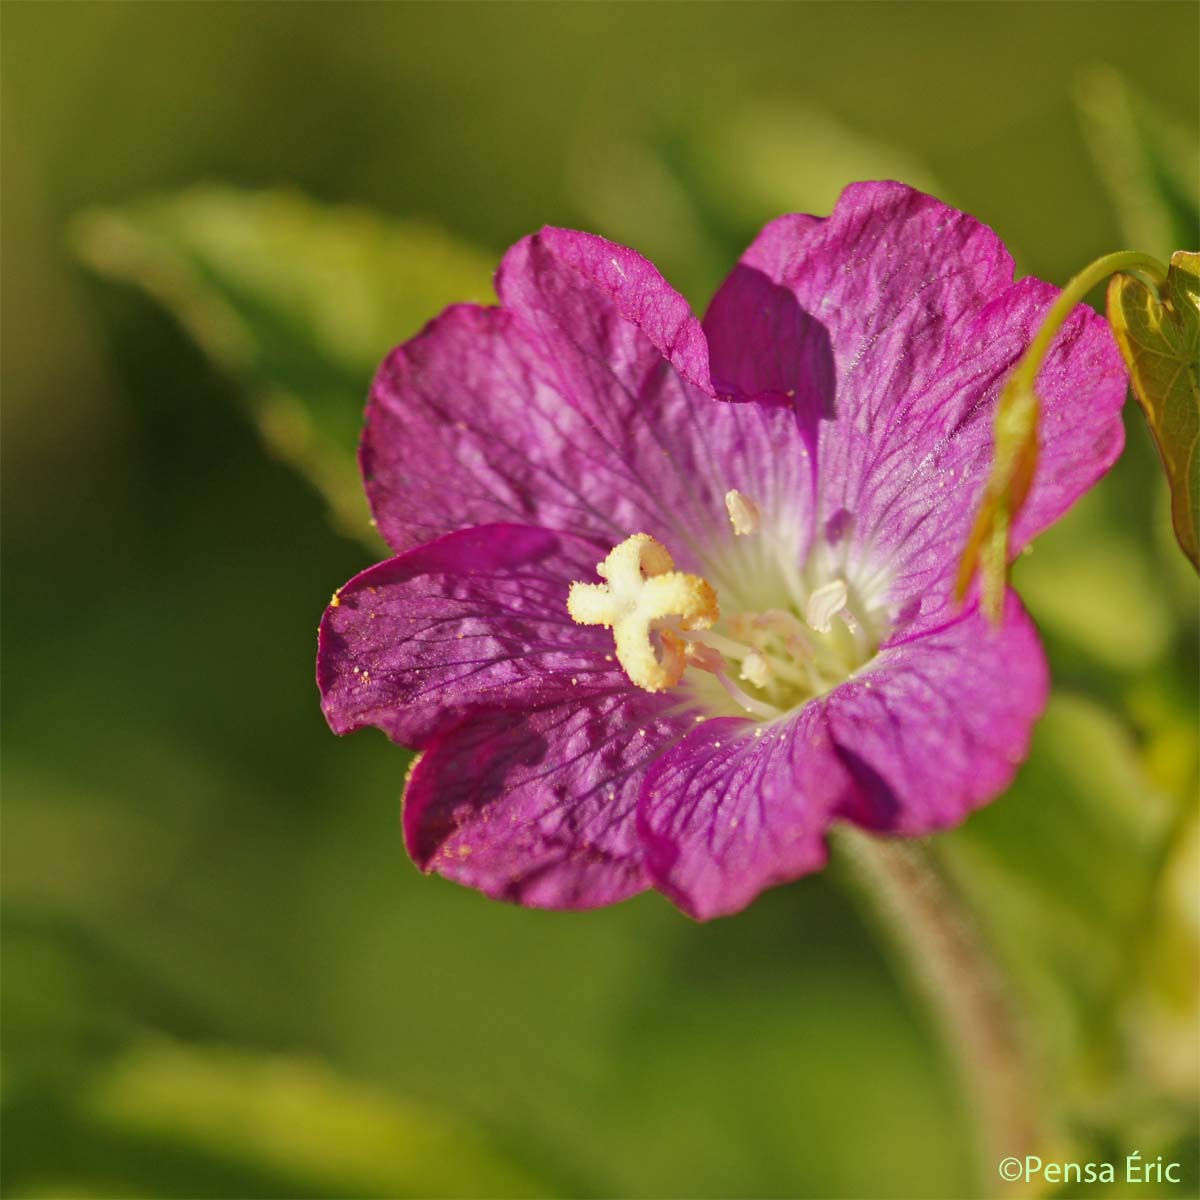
(222, 975)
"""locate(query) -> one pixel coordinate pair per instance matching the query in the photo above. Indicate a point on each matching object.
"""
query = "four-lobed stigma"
(645, 600)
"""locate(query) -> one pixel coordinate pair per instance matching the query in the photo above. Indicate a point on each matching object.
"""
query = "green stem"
(946, 960)
(1078, 287)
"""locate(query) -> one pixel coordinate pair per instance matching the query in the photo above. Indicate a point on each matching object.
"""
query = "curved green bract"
(1015, 456)
(1159, 337)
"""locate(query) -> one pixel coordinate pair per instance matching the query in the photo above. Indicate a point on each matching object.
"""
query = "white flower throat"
(819, 622)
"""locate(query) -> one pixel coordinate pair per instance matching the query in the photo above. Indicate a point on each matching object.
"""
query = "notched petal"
(736, 808)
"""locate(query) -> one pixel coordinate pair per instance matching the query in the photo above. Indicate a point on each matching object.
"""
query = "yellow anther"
(755, 669)
(743, 512)
(643, 601)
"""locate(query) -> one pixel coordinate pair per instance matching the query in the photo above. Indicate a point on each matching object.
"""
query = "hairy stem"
(944, 957)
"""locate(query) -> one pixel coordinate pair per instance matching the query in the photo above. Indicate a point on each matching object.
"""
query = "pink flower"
(673, 597)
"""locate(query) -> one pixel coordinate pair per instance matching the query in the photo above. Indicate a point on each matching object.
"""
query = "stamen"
(758, 707)
(824, 604)
(702, 656)
(743, 512)
(722, 645)
(645, 596)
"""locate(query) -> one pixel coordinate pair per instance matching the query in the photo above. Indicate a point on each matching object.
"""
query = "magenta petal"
(465, 427)
(938, 725)
(539, 807)
(1082, 385)
(583, 294)
(934, 728)
(476, 620)
(726, 813)
(889, 273)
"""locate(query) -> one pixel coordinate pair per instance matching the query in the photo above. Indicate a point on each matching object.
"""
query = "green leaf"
(279, 1122)
(697, 184)
(769, 157)
(1160, 339)
(298, 301)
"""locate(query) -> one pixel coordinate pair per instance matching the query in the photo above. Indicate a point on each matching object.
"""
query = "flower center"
(796, 630)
